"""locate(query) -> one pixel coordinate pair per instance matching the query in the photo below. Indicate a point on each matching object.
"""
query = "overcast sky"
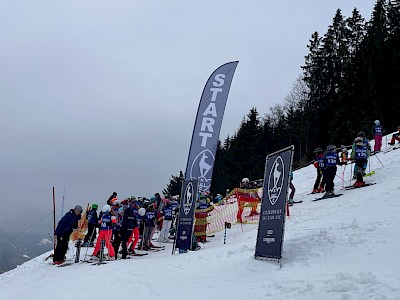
(101, 96)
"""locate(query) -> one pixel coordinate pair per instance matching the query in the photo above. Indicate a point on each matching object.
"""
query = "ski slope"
(341, 248)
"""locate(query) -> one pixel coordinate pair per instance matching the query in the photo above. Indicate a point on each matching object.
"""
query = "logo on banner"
(202, 165)
(188, 198)
(275, 180)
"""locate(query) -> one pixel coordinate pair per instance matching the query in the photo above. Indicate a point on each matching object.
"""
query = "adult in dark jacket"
(128, 224)
(64, 229)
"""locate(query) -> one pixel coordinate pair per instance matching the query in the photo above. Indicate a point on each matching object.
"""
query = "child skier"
(330, 160)
(360, 157)
(361, 134)
(319, 165)
(292, 190)
(93, 223)
(105, 233)
(395, 137)
(377, 132)
(167, 221)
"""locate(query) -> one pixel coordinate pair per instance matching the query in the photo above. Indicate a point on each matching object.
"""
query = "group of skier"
(326, 161)
(120, 224)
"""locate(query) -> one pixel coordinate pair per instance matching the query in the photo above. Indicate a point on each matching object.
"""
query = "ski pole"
(379, 160)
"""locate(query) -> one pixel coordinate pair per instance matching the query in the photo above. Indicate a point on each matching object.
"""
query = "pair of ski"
(350, 187)
(154, 249)
(392, 148)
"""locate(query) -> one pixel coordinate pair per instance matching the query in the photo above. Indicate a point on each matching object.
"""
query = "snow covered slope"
(340, 248)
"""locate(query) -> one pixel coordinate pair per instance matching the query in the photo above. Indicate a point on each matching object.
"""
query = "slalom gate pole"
(379, 160)
(351, 170)
(386, 143)
(369, 165)
(225, 235)
(287, 209)
(344, 169)
(54, 219)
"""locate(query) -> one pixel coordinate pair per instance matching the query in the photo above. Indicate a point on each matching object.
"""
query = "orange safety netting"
(240, 206)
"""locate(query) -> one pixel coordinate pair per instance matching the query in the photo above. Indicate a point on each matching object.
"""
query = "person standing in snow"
(105, 232)
(292, 189)
(361, 134)
(64, 229)
(330, 160)
(360, 157)
(129, 223)
(93, 223)
(377, 132)
(166, 220)
(319, 165)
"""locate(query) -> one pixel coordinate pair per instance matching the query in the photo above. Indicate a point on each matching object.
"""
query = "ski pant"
(394, 138)
(91, 234)
(106, 236)
(61, 247)
(166, 226)
(117, 242)
(135, 233)
(378, 142)
(329, 175)
(359, 164)
(125, 235)
(293, 190)
(318, 182)
(147, 233)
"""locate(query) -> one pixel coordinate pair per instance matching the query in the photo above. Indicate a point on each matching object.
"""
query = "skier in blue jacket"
(64, 229)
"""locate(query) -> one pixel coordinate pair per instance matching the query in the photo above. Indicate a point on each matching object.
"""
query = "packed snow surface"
(341, 248)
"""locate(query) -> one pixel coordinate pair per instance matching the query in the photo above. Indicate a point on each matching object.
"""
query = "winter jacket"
(106, 223)
(67, 223)
(92, 217)
(330, 159)
(129, 220)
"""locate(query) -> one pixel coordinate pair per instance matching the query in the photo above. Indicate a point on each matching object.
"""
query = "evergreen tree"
(175, 185)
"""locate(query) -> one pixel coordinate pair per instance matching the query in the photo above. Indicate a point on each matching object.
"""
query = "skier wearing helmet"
(93, 223)
(395, 137)
(319, 165)
(105, 232)
(330, 160)
(360, 157)
(377, 132)
(361, 134)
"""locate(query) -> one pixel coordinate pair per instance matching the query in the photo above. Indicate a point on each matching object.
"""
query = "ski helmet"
(377, 123)
(95, 206)
(359, 141)
(141, 211)
(106, 208)
(361, 133)
(330, 148)
(318, 150)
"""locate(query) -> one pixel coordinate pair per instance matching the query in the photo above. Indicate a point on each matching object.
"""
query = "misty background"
(98, 97)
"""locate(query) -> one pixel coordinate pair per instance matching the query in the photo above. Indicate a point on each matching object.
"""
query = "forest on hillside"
(351, 77)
